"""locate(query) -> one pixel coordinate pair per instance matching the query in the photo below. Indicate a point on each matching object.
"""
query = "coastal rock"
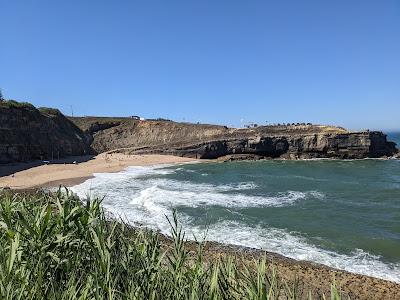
(213, 141)
(239, 157)
(27, 133)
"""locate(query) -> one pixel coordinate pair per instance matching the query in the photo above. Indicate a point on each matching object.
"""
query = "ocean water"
(394, 137)
(344, 214)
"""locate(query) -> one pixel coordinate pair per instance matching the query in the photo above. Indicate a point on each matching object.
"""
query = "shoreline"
(310, 275)
(75, 170)
(66, 172)
(257, 158)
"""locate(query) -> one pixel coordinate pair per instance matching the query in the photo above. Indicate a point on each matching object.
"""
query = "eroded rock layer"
(212, 141)
(27, 133)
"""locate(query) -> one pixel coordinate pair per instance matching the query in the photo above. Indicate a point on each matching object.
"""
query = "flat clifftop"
(88, 123)
(28, 133)
(213, 141)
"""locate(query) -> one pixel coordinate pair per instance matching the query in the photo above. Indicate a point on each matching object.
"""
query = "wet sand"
(76, 170)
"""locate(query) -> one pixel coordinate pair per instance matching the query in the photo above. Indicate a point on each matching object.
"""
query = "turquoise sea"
(341, 213)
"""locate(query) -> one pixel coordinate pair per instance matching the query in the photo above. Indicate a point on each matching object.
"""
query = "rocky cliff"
(27, 133)
(211, 141)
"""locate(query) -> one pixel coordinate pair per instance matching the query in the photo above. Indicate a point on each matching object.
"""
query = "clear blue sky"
(335, 62)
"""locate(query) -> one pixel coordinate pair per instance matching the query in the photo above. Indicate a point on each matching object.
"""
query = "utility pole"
(72, 111)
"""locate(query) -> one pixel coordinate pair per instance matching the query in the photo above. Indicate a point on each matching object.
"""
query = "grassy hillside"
(53, 246)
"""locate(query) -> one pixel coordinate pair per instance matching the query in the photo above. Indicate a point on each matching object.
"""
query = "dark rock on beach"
(239, 157)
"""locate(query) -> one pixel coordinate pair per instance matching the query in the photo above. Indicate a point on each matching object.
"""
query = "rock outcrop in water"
(212, 141)
(27, 133)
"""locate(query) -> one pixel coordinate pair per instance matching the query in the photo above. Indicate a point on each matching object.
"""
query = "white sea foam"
(294, 246)
(143, 195)
(159, 196)
(176, 185)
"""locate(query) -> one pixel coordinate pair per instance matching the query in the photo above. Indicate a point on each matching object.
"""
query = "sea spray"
(344, 214)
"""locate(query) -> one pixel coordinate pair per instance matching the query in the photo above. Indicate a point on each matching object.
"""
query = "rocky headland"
(212, 141)
(28, 133)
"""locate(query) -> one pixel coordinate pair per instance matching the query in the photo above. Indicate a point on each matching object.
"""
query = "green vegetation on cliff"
(53, 246)
(26, 105)
(16, 104)
(50, 111)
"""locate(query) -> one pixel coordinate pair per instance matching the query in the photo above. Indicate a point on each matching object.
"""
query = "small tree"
(1, 96)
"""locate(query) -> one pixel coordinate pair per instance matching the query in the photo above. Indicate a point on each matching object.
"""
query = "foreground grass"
(53, 246)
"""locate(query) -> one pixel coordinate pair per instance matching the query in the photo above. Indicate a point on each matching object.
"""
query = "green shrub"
(50, 111)
(16, 104)
(55, 246)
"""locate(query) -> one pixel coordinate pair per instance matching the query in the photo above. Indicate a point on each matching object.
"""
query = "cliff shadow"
(11, 168)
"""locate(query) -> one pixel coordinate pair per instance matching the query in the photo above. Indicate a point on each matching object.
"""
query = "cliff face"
(344, 146)
(27, 133)
(211, 141)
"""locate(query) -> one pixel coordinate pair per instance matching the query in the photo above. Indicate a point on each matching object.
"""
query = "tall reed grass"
(55, 246)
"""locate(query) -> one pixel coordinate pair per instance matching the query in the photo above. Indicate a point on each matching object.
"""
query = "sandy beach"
(76, 170)
(311, 276)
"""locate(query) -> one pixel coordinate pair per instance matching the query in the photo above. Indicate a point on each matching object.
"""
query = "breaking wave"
(145, 195)
(294, 246)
